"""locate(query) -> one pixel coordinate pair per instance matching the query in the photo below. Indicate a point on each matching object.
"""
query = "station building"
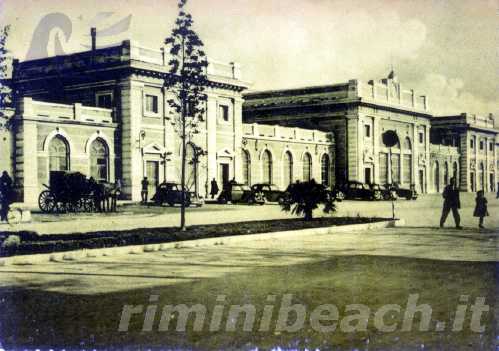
(104, 113)
(429, 149)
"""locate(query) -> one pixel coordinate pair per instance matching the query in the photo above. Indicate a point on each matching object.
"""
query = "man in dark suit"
(451, 203)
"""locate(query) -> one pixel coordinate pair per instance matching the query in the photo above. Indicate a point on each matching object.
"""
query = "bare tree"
(187, 82)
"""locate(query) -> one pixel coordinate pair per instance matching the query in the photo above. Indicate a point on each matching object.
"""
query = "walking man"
(145, 190)
(214, 188)
(451, 203)
(5, 195)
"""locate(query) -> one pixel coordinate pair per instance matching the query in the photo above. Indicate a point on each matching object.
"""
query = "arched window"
(446, 173)
(307, 167)
(481, 177)
(287, 164)
(99, 160)
(325, 165)
(267, 167)
(190, 173)
(454, 173)
(246, 163)
(436, 176)
(407, 144)
(407, 161)
(58, 154)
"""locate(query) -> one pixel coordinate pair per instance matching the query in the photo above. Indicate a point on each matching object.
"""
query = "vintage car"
(171, 193)
(338, 192)
(387, 193)
(240, 193)
(270, 191)
(408, 194)
(357, 190)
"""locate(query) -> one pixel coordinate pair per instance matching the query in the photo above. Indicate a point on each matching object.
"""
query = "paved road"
(423, 212)
(121, 272)
(73, 302)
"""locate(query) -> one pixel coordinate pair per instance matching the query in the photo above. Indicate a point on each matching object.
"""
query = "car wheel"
(171, 203)
(377, 195)
(340, 196)
(222, 200)
(408, 197)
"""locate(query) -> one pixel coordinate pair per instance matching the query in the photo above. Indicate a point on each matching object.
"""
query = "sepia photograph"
(249, 175)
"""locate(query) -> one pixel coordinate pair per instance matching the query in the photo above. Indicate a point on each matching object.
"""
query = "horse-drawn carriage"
(73, 192)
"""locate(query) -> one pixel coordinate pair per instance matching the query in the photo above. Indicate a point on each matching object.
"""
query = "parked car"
(408, 194)
(338, 192)
(270, 191)
(358, 190)
(240, 193)
(171, 193)
(387, 193)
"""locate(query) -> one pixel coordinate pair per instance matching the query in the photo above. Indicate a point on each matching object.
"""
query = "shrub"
(304, 198)
(10, 244)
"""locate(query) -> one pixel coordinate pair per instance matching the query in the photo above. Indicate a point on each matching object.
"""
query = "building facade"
(104, 113)
(427, 150)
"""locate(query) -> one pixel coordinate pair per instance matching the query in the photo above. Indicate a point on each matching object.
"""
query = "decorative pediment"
(153, 148)
(422, 159)
(368, 156)
(225, 153)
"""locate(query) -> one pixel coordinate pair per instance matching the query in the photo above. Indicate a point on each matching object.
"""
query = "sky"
(445, 49)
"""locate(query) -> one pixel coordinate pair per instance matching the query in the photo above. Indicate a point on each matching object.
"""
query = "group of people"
(452, 203)
(6, 195)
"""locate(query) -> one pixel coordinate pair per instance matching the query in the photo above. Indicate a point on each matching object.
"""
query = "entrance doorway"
(421, 181)
(224, 173)
(367, 175)
(152, 174)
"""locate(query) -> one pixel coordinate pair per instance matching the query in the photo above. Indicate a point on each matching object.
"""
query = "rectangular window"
(472, 144)
(152, 103)
(481, 145)
(491, 147)
(367, 130)
(105, 100)
(224, 112)
(421, 137)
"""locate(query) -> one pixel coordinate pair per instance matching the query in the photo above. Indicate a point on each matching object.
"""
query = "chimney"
(93, 34)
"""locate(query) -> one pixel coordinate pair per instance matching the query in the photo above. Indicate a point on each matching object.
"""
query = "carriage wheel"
(46, 201)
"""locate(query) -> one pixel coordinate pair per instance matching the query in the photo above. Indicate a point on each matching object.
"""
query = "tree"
(303, 198)
(187, 81)
(5, 92)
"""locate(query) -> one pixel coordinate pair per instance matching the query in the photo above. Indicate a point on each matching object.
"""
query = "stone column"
(352, 147)
(131, 158)
(376, 138)
(238, 136)
(211, 136)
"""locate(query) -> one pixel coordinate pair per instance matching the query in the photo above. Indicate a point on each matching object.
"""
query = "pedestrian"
(451, 203)
(214, 188)
(145, 190)
(497, 196)
(480, 207)
(6, 193)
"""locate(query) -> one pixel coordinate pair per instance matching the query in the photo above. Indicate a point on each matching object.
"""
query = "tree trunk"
(308, 215)
(182, 205)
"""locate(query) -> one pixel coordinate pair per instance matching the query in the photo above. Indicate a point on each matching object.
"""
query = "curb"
(75, 255)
